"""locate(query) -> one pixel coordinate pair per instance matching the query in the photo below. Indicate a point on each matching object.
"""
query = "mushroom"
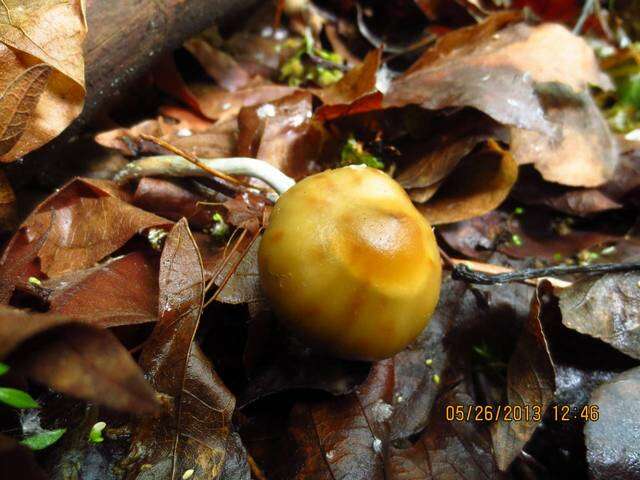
(347, 262)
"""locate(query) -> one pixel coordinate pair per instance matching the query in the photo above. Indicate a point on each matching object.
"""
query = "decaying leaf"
(480, 183)
(194, 431)
(611, 430)
(120, 291)
(42, 76)
(86, 220)
(531, 384)
(607, 308)
(75, 358)
(8, 214)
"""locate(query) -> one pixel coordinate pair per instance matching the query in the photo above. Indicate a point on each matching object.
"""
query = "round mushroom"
(349, 264)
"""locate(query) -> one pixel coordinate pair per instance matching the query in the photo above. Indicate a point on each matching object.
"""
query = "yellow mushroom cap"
(349, 264)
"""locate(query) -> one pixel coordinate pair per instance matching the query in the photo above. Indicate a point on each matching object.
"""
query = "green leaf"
(43, 440)
(354, 154)
(4, 368)
(17, 398)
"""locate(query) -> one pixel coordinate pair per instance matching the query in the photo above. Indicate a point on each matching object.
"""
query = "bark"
(127, 36)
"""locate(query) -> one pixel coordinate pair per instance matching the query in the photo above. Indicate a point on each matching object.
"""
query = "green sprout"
(353, 153)
(219, 229)
(516, 240)
(95, 435)
(518, 211)
(43, 439)
(156, 237)
(309, 63)
(35, 281)
(4, 368)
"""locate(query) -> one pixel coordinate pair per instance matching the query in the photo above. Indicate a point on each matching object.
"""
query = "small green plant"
(353, 153)
(309, 63)
(219, 228)
(95, 435)
(20, 399)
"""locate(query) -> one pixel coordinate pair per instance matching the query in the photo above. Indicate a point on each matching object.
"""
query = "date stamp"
(519, 413)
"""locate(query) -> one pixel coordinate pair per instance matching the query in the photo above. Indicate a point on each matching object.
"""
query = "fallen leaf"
(75, 358)
(531, 384)
(120, 291)
(218, 64)
(89, 222)
(611, 435)
(43, 72)
(480, 183)
(194, 431)
(585, 155)
(606, 307)
(344, 437)
(281, 133)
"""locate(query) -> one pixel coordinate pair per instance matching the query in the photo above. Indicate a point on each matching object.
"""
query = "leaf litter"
(139, 300)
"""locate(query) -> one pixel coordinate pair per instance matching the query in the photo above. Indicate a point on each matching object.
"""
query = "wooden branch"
(126, 37)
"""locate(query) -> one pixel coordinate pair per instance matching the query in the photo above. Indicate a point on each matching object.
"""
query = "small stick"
(584, 15)
(463, 272)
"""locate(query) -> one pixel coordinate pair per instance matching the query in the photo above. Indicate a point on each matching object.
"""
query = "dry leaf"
(75, 358)
(479, 184)
(42, 76)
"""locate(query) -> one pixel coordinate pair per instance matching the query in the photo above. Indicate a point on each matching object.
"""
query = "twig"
(587, 9)
(463, 272)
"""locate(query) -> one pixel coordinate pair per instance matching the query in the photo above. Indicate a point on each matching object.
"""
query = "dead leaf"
(89, 222)
(194, 432)
(220, 66)
(611, 434)
(531, 384)
(120, 291)
(39, 41)
(480, 183)
(606, 307)
(281, 133)
(75, 358)
(8, 214)
(585, 155)
(344, 437)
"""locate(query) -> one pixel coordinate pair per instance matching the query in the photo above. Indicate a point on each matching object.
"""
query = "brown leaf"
(358, 82)
(611, 435)
(585, 155)
(606, 307)
(194, 432)
(281, 133)
(345, 437)
(17, 461)
(8, 214)
(219, 65)
(120, 291)
(479, 184)
(18, 102)
(531, 384)
(39, 40)
(75, 358)
(89, 222)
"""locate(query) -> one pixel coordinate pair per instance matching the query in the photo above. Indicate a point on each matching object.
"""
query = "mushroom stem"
(176, 166)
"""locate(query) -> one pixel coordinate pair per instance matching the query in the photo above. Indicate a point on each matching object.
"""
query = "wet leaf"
(120, 291)
(17, 461)
(606, 307)
(86, 220)
(194, 431)
(43, 72)
(611, 439)
(345, 437)
(479, 184)
(281, 133)
(530, 384)
(74, 358)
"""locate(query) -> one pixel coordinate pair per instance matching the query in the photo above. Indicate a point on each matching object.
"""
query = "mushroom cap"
(349, 264)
